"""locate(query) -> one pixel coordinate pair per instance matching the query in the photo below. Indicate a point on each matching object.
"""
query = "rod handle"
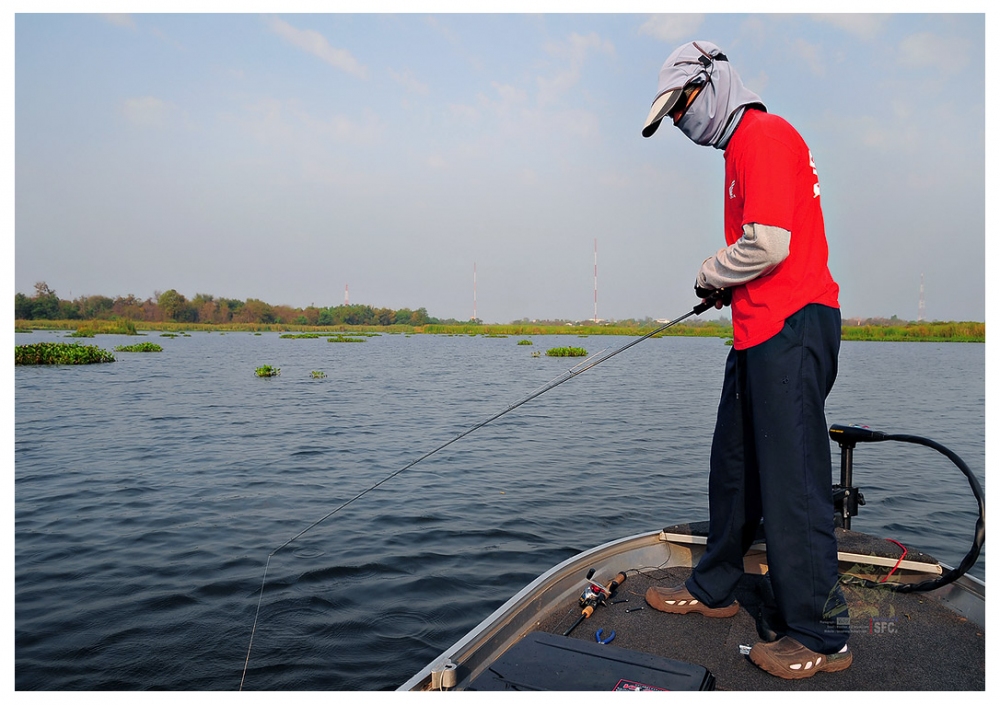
(616, 583)
(716, 295)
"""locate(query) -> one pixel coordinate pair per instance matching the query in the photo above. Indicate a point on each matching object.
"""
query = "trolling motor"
(847, 498)
(595, 594)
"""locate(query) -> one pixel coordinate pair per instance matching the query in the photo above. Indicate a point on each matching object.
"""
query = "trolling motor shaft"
(846, 497)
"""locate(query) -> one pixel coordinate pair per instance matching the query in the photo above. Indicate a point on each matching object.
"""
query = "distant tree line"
(205, 308)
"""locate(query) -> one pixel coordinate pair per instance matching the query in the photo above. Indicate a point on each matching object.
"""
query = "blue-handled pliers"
(603, 641)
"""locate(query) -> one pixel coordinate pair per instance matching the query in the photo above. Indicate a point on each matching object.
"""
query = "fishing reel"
(597, 594)
(592, 595)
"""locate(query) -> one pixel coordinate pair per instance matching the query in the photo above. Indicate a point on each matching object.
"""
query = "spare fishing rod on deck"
(714, 298)
(594, 595)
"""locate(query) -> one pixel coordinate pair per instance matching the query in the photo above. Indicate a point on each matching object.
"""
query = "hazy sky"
(284, 156)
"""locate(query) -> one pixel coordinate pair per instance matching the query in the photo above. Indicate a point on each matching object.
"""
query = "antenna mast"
(595, 280)
(347, 296)
(474, 313)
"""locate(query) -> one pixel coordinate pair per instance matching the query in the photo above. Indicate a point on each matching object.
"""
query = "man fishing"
(770, 456)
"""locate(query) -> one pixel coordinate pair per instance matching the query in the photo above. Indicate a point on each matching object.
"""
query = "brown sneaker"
(787, 658)
(677, 600)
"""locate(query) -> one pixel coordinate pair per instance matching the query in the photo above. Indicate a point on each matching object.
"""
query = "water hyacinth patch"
(267, 371)
(60, 354)
(344, 339)
(566, 352)
(139, 347)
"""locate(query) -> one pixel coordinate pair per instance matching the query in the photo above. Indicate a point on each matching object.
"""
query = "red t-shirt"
(771, 180)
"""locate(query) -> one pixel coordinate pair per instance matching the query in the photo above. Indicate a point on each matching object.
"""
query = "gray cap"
(699, 63)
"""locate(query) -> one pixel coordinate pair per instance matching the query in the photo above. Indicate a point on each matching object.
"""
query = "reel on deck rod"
(595, 594)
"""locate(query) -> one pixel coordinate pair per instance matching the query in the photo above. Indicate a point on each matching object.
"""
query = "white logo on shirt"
(816, 174)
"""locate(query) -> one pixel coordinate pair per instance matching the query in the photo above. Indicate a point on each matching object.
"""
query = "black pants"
(771, 461)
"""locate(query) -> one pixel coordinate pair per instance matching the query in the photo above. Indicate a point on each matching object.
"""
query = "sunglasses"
(683, 103)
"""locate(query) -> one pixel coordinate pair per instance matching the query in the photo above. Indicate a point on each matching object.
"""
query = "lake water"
(150, 492)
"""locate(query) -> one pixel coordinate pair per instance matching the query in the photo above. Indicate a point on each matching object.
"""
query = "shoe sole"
(654, 600)
(776, 668)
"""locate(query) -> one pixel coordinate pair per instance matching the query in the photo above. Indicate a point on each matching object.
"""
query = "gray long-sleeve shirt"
(760, 249)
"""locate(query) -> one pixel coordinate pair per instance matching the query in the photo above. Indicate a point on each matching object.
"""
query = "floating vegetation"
(344, 339)
(342, 331)
(139, 347)
(119, 326)
(60, 354)
(525, 342)
(267, 371)
(536, 354)
(299, 335)
(22, 329)
(316, 374)
(169, 335)
(566, 352)
(494, 335)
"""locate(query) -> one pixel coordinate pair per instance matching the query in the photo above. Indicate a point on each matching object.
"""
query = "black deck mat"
(900, 641)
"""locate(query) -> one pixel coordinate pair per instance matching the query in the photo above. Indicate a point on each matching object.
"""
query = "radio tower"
(347, 296)
(595, 280)
(920, 306)
(474, 316)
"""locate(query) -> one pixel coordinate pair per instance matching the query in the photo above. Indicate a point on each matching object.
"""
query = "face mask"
(713, 115)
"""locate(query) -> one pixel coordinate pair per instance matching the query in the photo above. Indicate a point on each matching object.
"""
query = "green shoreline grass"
(942, 332)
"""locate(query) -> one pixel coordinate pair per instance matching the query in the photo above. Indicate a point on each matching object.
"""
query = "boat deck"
(901, 641)
(930, 640)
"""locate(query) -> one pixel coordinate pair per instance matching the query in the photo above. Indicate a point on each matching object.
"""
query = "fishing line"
(569, 374)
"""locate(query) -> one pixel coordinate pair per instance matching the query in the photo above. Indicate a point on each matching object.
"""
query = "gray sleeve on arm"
(757, 252)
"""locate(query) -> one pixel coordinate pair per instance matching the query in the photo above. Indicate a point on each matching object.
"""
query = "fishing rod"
(594, 595)
(710, 300)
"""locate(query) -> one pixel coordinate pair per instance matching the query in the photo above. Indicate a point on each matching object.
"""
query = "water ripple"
(150, 493)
